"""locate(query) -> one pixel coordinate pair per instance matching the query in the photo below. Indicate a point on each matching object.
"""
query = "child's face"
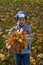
(21, 21)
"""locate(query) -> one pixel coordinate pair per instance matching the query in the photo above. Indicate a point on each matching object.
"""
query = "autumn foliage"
(17, 41)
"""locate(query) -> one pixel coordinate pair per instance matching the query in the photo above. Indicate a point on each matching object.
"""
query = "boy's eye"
(21, 19)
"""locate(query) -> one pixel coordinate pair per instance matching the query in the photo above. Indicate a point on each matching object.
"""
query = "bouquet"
(17, 41)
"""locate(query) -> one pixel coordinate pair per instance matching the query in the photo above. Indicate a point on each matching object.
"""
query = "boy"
(23, 56)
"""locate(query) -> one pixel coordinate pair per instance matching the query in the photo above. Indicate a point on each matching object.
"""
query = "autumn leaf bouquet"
(17, 41)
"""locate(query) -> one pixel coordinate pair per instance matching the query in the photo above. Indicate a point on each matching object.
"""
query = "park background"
(34, 10)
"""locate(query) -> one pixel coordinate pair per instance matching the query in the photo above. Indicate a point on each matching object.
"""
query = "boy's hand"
(24, 32)
(14, 28)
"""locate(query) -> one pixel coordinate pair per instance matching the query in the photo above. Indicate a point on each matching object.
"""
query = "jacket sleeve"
(30, 32)
(11, 31)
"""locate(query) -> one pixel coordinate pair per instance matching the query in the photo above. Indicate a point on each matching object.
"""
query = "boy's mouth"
(21, 24)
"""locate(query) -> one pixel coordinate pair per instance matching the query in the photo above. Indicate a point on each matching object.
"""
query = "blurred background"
(34, 10)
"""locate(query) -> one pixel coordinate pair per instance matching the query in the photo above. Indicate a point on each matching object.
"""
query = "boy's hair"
(21, 12)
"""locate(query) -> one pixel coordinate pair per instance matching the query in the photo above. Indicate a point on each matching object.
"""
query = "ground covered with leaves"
(34, 10)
